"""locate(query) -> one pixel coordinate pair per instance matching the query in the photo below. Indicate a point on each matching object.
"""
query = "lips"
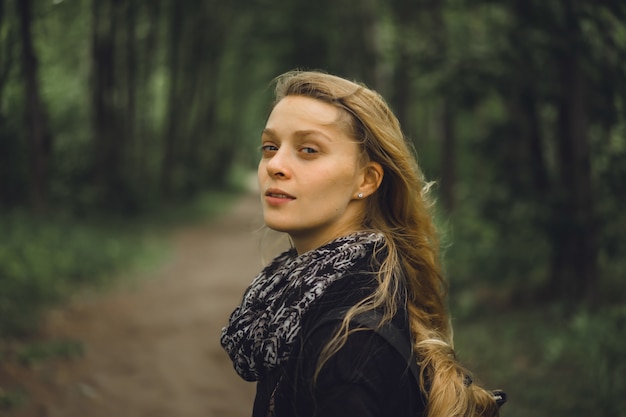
(276, 193)
(275, 197)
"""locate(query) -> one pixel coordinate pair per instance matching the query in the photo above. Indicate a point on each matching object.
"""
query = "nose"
(278, 165)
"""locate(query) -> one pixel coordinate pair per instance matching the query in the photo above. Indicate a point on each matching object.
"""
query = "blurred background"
(123, 118)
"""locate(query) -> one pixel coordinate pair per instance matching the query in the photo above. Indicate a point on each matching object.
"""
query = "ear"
(373, 174)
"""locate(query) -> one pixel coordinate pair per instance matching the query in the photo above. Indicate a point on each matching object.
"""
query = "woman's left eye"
(308, 150)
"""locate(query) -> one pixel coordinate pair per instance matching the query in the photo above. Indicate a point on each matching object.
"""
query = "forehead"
(305, 109)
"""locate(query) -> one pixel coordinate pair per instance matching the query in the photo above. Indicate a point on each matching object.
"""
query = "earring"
(360, 195)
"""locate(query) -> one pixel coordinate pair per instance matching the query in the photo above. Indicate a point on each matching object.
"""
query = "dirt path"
(153, 350)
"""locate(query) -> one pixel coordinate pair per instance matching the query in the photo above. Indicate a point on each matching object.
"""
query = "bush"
(548, 363)
(591, 351)
(42, 261)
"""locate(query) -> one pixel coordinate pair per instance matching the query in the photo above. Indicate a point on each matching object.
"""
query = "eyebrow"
(299, 133)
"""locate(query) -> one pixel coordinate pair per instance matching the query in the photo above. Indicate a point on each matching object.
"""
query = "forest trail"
(152, 348)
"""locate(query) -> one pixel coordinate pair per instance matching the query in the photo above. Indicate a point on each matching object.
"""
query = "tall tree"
(196, 151)
(405, 14)
(574, 265)
(555, 108)
(7, 40)
(448, 167)
(176, 97)
(6, 53)
(40, 137)
(115, 83)
(357, 42)
(106, 124)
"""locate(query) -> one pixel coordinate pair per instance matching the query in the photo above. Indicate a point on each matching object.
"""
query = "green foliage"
(491, 264)
(549, 364)
(32, 354)
(43, 261)
(12, 399)
(593, 343)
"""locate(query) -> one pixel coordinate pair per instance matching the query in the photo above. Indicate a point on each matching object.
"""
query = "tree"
(40, 138)
(554, 89)
(11, 182)
(196, 151)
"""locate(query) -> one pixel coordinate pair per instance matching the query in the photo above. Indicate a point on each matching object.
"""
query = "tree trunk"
(574, 264)
(401, 84)
(131, 74)
(448, 157)
(103, 59)
(110, 104)
(405, 14)
(532, 133)
(6, 55)
(356, 43)
(40, 138)
(146, 64)
(449, 140)
(167, 166)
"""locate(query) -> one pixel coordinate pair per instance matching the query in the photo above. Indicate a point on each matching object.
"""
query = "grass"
(34, 353)
(12, 399)
(549, 364)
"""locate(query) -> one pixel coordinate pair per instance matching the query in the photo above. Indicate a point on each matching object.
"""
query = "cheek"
(331, 182)
(261, 169)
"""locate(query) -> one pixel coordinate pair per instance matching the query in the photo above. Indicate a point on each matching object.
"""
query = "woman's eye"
(268, 148)
(308, 150)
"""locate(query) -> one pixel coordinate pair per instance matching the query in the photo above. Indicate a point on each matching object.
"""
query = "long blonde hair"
(401, 211)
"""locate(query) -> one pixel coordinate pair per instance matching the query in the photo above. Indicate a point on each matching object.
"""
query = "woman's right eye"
(269, 148)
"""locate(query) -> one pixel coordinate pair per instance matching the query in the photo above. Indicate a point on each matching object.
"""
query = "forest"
(113, 112)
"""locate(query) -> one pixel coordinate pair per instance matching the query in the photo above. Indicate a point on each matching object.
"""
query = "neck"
(304, 244)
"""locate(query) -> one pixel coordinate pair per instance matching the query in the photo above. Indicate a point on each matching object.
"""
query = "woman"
(336, 325)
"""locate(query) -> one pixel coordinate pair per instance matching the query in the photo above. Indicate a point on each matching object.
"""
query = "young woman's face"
(309, 173)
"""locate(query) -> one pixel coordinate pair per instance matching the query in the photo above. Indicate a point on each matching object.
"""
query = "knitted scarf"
(263, 328)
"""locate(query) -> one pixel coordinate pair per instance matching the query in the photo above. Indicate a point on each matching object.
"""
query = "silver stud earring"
(360, 195)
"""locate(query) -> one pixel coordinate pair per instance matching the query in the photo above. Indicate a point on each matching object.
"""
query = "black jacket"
(367, 377)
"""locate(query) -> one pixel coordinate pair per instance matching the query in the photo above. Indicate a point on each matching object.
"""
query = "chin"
(277, 226)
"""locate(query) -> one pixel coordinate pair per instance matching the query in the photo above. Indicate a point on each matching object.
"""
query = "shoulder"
(365, 351)
(383, 351)
(366, 377)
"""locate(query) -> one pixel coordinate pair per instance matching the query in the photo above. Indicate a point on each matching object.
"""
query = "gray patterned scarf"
(263, 328)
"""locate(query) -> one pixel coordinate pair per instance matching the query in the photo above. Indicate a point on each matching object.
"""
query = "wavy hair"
(410, 270)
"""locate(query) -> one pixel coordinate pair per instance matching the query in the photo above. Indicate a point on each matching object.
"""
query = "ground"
(152, 348)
